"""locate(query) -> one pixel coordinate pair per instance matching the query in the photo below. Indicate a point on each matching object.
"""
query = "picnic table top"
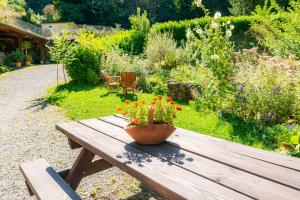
(190, 165)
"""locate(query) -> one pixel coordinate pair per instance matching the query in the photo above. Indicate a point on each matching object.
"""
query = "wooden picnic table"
(187, 166)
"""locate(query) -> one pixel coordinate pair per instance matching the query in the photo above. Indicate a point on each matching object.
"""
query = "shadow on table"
(168, 153)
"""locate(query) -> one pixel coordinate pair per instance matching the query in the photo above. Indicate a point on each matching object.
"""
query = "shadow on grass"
(249, 133)
(74, 87)
(131, 97)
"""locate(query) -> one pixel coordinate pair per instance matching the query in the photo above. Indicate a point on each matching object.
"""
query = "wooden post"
(20, 42)
(82, 163)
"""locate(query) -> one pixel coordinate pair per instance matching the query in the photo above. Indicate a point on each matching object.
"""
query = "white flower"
(214, 24)
(198, 3)
(217, 15)
(231, 27)
(228, 22)
(188, 33)
(199, 31)
(228, 33)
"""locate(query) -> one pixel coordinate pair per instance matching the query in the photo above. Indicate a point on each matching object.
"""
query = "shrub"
(162, 52)
(267, 89)
(85, 68)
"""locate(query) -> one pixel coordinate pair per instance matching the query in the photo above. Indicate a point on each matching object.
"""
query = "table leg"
(82, 163)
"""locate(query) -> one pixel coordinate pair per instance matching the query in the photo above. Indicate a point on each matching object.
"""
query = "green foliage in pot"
(18, 56)
(28, 58)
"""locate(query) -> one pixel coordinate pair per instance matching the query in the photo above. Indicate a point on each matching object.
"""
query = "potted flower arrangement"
(18, 57)
(28, 59)
(150, 124)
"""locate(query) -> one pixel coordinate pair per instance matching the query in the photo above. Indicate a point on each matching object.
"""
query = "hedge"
(178, 28)
(130, 41)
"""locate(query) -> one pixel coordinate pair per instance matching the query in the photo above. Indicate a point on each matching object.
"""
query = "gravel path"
(27, 133)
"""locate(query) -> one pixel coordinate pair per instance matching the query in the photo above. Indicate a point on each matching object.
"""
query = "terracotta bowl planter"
(18, 64)
(42, 62)
(28, 62)
(150, 134)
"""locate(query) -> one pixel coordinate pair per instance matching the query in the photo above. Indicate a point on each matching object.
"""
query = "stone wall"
(182, 91)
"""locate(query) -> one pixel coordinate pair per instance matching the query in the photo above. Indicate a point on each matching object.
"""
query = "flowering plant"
(160, 111)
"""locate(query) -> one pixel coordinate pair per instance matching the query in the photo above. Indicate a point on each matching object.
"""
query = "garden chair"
(112, 82)
(128, 80)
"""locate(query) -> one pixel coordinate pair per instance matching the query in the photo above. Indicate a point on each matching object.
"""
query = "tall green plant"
(61, 51)
(26, 46)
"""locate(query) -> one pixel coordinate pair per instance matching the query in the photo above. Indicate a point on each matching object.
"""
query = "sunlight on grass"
(83, 102)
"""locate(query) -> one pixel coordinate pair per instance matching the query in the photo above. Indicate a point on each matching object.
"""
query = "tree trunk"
(57, 74)
(63, 68)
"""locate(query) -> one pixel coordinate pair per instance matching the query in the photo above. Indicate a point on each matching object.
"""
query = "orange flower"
(172, 102)
(153, 103)
(119, 108)
(127, 101)
(159, 97)
(136, 104)
(169, 99)
(154, 99)
(143, 102)
(174, 116)
(136, 121)
(179, 108)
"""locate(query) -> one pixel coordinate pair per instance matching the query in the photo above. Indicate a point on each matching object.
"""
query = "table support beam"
(77, 172)
(96, 166)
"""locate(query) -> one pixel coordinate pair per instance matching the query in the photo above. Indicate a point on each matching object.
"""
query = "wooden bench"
(43, 182)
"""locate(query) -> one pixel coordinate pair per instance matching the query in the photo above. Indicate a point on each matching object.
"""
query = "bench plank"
(246, 183)
(161, 175)
(45, 183)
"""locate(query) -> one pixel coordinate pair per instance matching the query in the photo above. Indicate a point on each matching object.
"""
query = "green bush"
(3, 69)
(85, 67)
(161, 51)
(178, 28)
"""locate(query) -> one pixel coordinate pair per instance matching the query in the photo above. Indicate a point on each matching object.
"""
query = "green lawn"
(82, 102)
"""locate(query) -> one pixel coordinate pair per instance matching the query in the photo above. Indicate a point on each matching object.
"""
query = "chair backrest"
(128, 79)
(107, 77)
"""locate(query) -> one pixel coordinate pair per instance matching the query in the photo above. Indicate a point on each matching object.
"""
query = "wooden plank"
(171, 181)
(260, 168)
(226, 146)
(45, 183)
(246, 183)
(97, 165)
(82, 163)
